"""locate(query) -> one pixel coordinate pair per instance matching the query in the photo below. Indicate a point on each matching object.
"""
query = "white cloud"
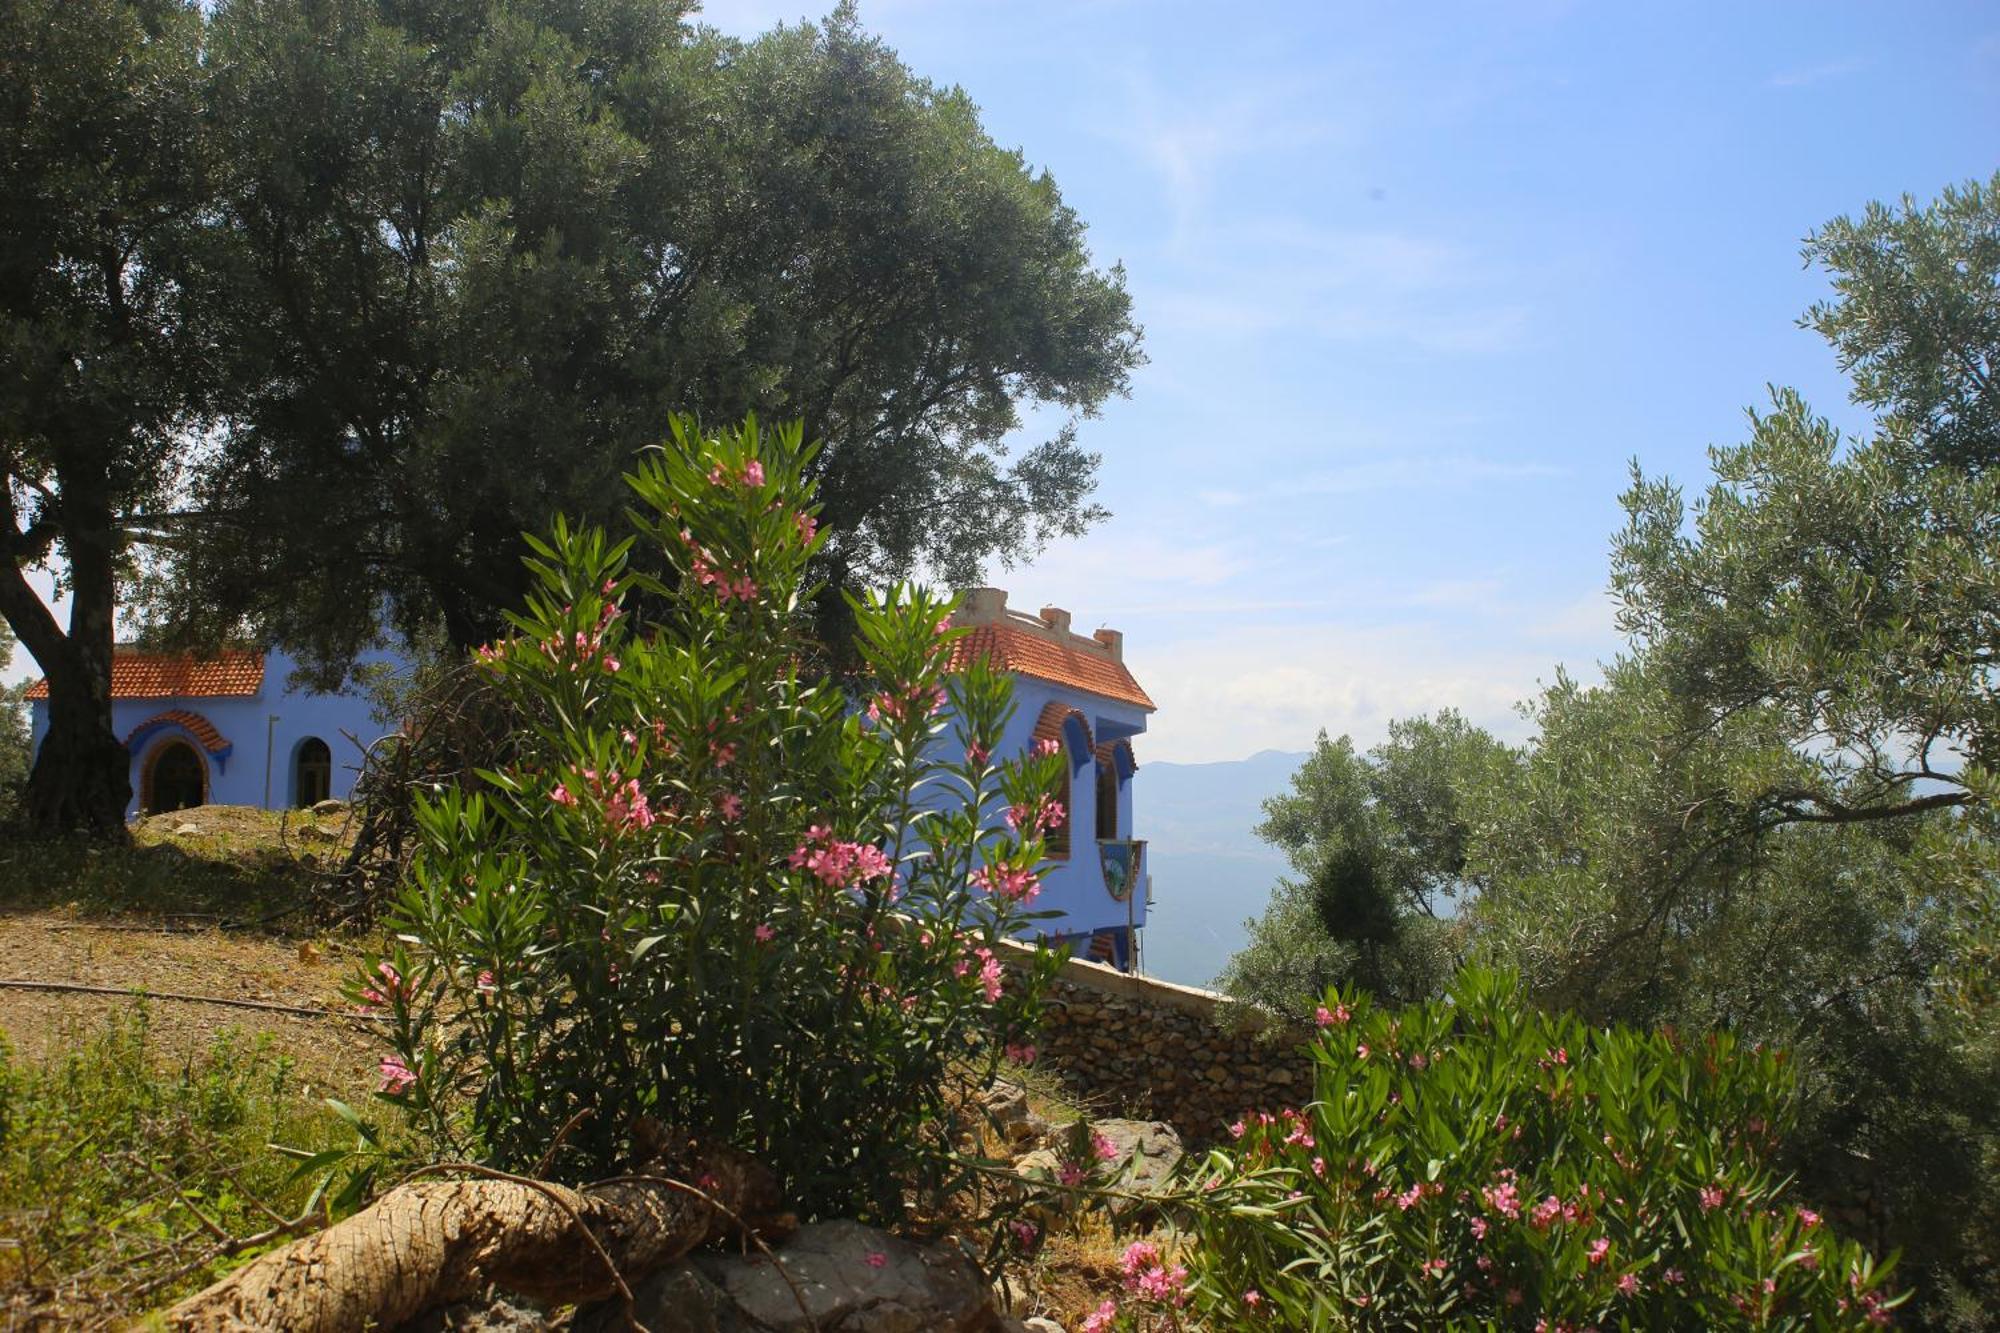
(1249, 688)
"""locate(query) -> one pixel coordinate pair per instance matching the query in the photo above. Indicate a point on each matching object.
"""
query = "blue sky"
(1417, 282)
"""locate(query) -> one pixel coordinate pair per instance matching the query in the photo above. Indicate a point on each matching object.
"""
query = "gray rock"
(186, 830)
(1149, 1149)
(1041, 1324)
(849, 1278)
(329, 807)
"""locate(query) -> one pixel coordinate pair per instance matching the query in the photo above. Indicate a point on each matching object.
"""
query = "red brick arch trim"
(1119, 753)
(198, 728)
(1049, 726)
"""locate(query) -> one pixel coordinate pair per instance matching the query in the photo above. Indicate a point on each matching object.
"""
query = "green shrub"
(1474, 1162)
(710, 888)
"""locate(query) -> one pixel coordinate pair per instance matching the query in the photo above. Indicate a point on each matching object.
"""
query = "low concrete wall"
(1157, 1051)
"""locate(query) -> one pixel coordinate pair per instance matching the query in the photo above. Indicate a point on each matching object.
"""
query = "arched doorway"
(312, 772)
(175, 778)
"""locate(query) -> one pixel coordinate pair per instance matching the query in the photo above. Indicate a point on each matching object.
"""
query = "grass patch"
(221, 863)
(117, 1168)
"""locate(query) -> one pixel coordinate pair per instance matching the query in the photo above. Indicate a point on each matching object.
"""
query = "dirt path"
(53, 946)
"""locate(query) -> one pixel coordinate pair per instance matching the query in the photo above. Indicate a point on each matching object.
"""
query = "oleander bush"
(1475, 1162)
(710, 887)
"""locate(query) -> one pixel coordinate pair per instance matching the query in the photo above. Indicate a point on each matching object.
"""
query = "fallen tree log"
(434, 1242)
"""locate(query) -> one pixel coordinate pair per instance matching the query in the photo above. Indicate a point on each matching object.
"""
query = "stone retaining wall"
(1153, 1050)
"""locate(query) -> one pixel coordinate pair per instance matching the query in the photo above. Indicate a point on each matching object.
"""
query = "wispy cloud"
(1811, 74)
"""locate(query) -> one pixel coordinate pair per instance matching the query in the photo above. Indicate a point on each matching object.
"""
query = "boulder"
(849, 1277)
(329, 807)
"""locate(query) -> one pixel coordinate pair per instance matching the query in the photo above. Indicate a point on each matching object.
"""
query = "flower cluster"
(1009, 882)
(836, 863)
(1038, 817)
(626, 808)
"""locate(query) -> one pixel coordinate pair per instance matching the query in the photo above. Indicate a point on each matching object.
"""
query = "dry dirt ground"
(43, 938)
(60, 947)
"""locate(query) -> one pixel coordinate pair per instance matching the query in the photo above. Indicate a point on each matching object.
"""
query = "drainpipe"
(270, 729)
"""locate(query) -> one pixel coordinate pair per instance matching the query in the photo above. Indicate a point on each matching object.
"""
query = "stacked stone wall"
(1152, 1050)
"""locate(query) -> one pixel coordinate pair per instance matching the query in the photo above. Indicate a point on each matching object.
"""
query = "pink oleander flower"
(1361, 1050)
(1106, 1150)
(396, 1075)
(1100, 1320)
(1139, 1256)
(1479, 1225)
(1253, 1298)
(1673, 1277)
(1410, 1198)
(1628, 1285)
(1598, 1249)
(876, 1259)
(486, 982)
(730, 806)
(1712, 1198)
(764, 933)
(753, 473)
(1236, 1130)
(1045, 747)
(1004, 881)
(1326, 1017)
(989, 975)
(1022, 1053)
(1808, 1218)
(561, 795)
(808, 528)
(1503, 1199)
(1546, 1212)
(977, 754)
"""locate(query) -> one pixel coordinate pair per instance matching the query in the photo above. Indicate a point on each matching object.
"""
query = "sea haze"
(1211, 873)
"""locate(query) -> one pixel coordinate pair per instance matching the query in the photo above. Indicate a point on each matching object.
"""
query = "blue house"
(230, 730)
(1077, 692)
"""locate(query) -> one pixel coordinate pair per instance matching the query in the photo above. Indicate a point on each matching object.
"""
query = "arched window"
(1107, 793)
(313, 772)
(175, 778)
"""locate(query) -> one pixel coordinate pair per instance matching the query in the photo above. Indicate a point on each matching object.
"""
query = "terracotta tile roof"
(187, 720)
(1023, 651)
(138, 675)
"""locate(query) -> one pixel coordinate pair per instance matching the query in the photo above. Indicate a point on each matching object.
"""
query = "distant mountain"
(1210, 871)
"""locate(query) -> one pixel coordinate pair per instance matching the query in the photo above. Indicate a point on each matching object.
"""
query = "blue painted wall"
(264, 733)
(1075, 885)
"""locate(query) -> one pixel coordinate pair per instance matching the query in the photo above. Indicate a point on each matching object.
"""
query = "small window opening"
(315, 772)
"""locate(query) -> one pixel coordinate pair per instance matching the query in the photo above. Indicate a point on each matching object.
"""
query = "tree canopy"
(511, 237)
(309, 310)
(1775, 814)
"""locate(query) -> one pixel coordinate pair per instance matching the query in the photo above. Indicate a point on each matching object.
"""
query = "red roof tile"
(1024, 652)
(137, 675)
(192, 723)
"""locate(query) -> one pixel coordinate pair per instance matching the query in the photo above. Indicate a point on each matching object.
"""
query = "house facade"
(1075, 690)
(227, 730)
(232, 730)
